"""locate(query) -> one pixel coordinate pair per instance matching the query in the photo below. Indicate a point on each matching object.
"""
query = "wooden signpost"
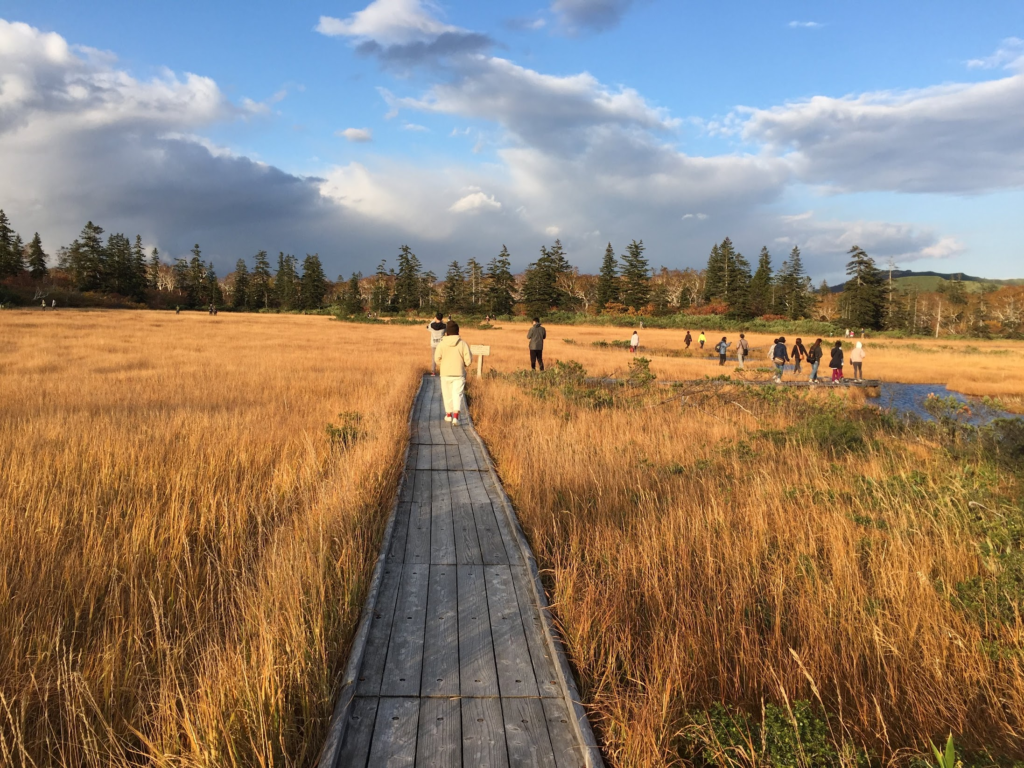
(480, 352)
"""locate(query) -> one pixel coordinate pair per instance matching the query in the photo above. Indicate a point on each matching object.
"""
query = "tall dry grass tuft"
(727, 555)
(185, 553)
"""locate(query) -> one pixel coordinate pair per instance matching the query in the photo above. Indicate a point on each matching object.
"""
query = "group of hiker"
(451, 356)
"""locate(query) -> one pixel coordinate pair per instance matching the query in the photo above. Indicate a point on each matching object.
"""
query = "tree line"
(625, 284)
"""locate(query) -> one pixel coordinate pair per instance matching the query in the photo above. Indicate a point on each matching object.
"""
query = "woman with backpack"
(722, 348)
(814, 358)
(780, 357)
(836, 363)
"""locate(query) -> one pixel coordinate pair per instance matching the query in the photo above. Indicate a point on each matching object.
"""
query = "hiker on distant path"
(836, 363)
(177, 310)
(688, 340)
(452, 356)
(536, 335)
(857, 358)
(44, 305)
(722, 348)
(799, 353)
(701, 339)
(634, 342)
(780, 357)
(742, 350)
(53, 305)
(436, 329)
(814, 355)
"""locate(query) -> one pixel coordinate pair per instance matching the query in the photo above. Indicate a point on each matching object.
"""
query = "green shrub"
(345, 433)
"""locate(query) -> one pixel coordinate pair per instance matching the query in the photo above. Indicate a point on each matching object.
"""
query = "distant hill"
(930, 281)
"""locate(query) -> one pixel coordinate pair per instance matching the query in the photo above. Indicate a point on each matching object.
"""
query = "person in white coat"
(634, 342)
(452, 357)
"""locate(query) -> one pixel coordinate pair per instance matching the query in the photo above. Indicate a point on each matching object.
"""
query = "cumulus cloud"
(403, 33)
(1010, 55)
(958, 138)
(580, 16)
(475, 201)
(357, 135)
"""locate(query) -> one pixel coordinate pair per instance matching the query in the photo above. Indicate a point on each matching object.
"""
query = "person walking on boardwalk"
(701, 339)
(836, 363)
(452, 357)
(742, 350)
(722, 348)
(536, 335)
(688, 340)
(634, 342)
(780, 357)
(814, 358)
(799, 353)
(436, 329)
(857, 358)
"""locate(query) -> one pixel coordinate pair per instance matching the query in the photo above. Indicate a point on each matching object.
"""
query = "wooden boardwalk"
(455, 663)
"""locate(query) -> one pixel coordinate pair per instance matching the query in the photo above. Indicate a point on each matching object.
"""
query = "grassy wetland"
(192, 506)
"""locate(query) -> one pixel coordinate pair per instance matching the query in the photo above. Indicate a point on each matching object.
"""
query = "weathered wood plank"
(526, 733)
(441, 637)
(543, 665)
(511, 653)
(442, 526)
(457, 487)
(394, 734)
(405, 648)
(422, 457)
(567, 751)
(453, 457)
(372, 671)
(417, 545)
(492, 548)
(483, 734)
(508, 536)
(355, 752)
(396, 548)
(467, 543)
(468, 456)
(440, 738)
(477, 675)
(478, 492)
(438, 457)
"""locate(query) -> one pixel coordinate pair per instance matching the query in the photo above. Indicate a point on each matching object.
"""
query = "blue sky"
(351, 128)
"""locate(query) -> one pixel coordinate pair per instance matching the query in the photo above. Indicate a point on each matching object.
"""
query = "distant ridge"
(929, 281)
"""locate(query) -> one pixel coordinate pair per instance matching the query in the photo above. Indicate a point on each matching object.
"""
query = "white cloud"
(552, 231)
(1010, 55)
(390, 22)
(415, 127)
(697, 216)
(475, 201)
(958, 138)
(357, 135)
(805, 25)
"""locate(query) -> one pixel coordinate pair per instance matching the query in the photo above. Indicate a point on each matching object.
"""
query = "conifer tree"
(153, 271)
(454, 298)
(37, 258)
(500, 284)
(380, 296)
(212, 293)
(428, 290)
(793, 287)
(286, 282)
(138, 277)
(353, 301)
(314, 283)
(407, 280)
(119, 273)
(195, 280)
(16, 259)
(540, 286)
(260, 287)
(862, 294)
(759, 297)
(474, 285)
(86, 263)
(608, 281)
(242, 290)
(7, 268)
(727, 277)
(636, 278)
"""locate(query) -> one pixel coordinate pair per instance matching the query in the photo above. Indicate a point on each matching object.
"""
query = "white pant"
(452, 388)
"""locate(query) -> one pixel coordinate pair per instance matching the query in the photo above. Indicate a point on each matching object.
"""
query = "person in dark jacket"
(688, 340)
(780, 357)
(536, 335)
(799, 353)
(814, 355)
(836, 363)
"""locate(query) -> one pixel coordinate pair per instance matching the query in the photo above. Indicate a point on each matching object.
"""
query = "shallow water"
(910, 398)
